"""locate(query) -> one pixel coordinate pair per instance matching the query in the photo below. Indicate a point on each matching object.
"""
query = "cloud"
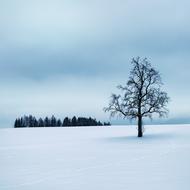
(61, 96)
(79, 41)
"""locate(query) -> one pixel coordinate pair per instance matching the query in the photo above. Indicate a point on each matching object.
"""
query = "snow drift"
(91, 158)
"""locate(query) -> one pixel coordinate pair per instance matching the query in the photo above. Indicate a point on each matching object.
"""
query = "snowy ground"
(95, 158)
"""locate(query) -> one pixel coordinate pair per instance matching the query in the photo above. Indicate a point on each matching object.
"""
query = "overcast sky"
(65, 57)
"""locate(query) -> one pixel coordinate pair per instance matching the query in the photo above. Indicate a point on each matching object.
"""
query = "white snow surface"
(95, 158)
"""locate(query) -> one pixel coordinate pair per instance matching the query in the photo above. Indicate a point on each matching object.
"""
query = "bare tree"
(141, 96)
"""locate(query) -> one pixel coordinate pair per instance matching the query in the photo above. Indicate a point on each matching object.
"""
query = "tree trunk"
(140, 132)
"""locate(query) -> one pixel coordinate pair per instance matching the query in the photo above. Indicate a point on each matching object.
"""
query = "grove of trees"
(31, 121)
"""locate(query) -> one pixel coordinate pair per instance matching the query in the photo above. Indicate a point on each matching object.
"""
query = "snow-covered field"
(95, 158)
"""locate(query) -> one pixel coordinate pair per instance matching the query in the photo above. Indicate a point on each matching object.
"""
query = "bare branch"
(141, 96)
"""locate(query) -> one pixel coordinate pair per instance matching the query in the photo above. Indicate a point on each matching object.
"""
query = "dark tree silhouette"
(59, 123)
(53, 121)
(40, 123)
(31, 121)
(16, 124)
(141, 96)
(66, 122)
(74, 121)
(47, 122)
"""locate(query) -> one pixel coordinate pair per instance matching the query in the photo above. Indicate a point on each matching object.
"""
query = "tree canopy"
(141, 96)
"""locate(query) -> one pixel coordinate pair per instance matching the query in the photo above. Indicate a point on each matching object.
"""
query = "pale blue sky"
(65, 57)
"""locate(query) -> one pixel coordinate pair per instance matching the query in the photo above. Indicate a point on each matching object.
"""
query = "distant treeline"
(31, 121)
